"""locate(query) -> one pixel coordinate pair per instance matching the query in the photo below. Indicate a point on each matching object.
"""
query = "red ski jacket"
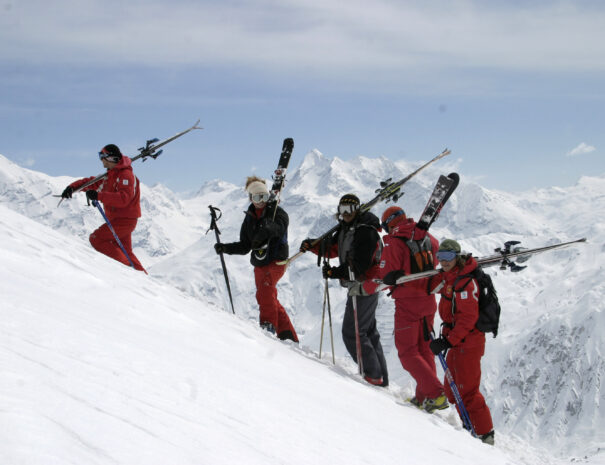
(459, 307)
(119, 192)
(396, 255)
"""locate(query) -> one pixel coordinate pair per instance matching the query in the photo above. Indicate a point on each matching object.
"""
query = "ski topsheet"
(279, 176)
(445, 187)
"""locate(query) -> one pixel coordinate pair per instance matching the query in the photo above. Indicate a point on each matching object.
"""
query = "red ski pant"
(102, 240)
(416, 356)
(271, 311)
(465, 366)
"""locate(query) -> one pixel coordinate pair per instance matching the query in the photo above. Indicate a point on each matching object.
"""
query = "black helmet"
(111, 153)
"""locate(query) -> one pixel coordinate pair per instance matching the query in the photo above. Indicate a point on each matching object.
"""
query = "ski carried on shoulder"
(504, 257)
(150, 149)
(445, 187)
(279, 178)
(392, 190)
(388, 191)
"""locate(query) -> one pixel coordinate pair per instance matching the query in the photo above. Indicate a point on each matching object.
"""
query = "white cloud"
(317, 36)
(581, 149)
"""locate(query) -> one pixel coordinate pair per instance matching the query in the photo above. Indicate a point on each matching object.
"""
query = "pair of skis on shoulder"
(390, 190)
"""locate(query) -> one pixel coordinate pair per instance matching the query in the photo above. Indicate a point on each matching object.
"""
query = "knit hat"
(111, 153)
(451, 245)
(349, 199)
(257, 187)
(391, 217)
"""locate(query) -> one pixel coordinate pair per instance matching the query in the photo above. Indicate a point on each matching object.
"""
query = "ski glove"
(225, 248)
(67, 193)
(439, 345)
(355, 288)
(92, 195)
(307, 244)
(335, 272)
(391, 277)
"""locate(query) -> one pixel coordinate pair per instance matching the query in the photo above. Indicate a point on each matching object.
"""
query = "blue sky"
(516, 89)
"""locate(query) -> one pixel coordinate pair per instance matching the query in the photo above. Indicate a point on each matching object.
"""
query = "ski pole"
(357, 337)
(98, 205)
(330, 323)
(466, 420)
(217, 232)
(323, 318)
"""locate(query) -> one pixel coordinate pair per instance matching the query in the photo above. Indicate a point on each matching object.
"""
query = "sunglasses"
(259, 198)
(347, 209)
(446, 255)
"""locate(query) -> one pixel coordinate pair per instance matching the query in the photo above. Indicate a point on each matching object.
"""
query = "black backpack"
(489, 307)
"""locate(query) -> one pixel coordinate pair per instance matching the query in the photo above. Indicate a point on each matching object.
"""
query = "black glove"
(326, 271)
(335, 272)
(439, 345)
(223, 247)
(67, 192)
(92, 195)
(392, 276)
(307, 244)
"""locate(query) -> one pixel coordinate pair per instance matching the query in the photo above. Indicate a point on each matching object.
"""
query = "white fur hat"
(257, 187)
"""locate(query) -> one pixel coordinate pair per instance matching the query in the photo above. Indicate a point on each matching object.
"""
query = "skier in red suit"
(408, 249)
(459, 311)
(120, 195)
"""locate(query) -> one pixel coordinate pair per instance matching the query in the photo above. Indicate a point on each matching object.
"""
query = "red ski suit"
(459, 310)
(412, 305)
(120, 195)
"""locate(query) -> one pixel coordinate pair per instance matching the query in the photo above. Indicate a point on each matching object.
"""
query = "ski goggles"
(259, 198)
(347, 209)
(446, 255)
(385, 223)
(106, 156)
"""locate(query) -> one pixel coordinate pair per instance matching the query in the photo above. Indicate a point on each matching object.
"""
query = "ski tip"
(195, 126)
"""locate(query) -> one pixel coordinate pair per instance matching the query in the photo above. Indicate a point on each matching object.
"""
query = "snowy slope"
(542, 375)
(104, 365)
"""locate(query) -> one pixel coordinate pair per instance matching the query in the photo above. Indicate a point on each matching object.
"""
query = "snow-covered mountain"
(542, 375)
